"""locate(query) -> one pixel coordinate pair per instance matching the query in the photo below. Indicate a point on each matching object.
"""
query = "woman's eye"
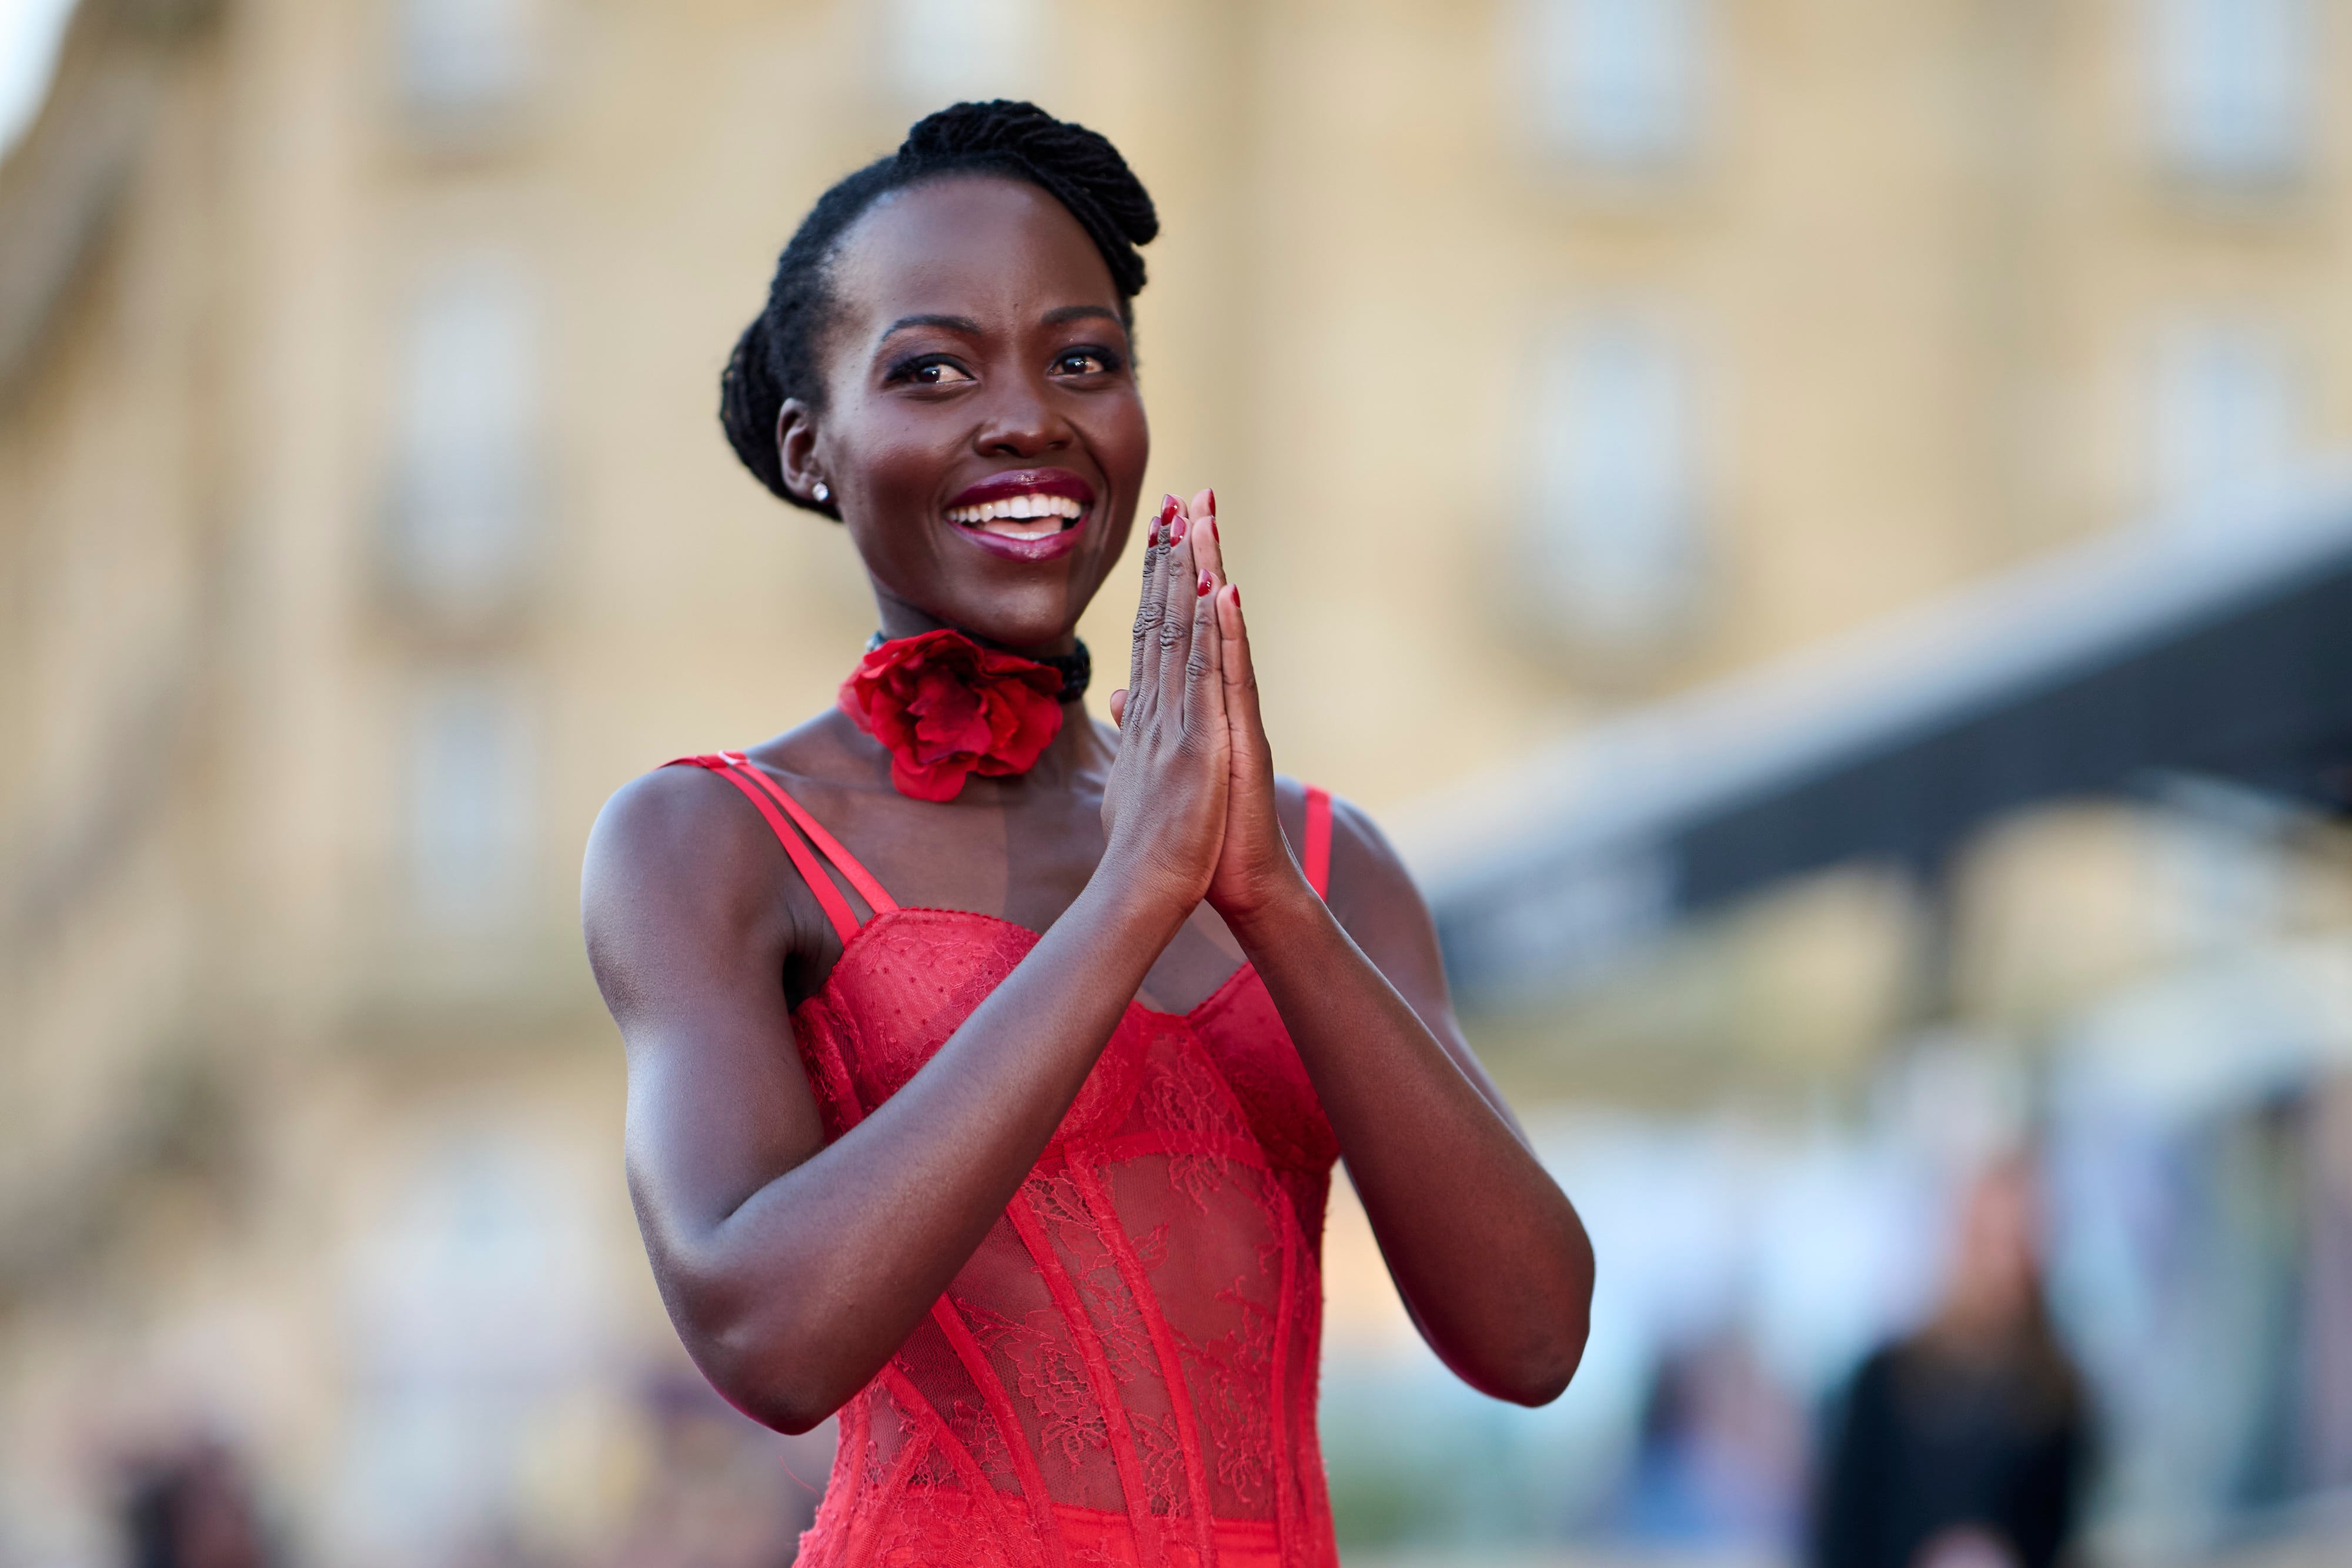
(1083, 362)
(931, 373)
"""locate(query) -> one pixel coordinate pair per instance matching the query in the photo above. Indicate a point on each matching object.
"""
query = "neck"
(1079, 750)
(898, 619)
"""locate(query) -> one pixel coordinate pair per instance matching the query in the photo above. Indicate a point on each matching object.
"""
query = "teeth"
(1032, 505)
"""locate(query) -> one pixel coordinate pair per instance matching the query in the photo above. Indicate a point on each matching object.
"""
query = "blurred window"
(2231, 85)
(465, 55)
(474, 1309)
(466, 495)
(31, 33)
(1617, 503)
(470, 789)
(1617, 81)
(2225, 417)
(942, 50)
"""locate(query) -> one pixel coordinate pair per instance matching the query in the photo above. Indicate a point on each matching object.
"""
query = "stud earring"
(823, 492)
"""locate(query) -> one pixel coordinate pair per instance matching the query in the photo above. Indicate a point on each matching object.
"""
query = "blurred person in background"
(987, 1065)
(1965, 1444)
(193, 1507)
(1719, 1451)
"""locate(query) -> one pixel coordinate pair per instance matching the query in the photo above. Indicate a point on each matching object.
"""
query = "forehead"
(978, 245)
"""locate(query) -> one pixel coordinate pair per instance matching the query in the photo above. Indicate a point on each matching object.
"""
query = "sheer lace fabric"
(1125, 1371)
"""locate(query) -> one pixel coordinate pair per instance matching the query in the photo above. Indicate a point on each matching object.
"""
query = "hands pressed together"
(1191, 801)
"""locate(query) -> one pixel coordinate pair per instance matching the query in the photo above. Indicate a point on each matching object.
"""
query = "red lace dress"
(1125, 1371)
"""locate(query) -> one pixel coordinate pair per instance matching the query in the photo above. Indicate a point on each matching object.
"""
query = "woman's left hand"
(1256, 869)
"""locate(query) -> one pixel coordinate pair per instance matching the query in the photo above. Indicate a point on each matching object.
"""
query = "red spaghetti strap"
(728, 766)
(828, 845)
(1315, 854)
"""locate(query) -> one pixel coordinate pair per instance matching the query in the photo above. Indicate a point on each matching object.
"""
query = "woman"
(987, 1068)
(1965, 1444)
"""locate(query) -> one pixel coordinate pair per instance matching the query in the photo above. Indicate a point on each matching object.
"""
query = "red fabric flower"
(946, 709)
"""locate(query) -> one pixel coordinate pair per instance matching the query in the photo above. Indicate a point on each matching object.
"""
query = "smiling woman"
(987, 1074)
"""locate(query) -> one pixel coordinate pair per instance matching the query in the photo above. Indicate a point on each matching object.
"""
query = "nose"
(1022, 423)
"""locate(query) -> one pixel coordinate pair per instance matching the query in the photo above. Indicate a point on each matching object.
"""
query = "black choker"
(1075, 668)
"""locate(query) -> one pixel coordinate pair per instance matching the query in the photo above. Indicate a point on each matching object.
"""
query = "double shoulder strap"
(1315, 855)
(767, 795)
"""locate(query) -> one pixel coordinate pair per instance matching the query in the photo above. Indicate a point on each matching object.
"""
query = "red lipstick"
(1023, 514)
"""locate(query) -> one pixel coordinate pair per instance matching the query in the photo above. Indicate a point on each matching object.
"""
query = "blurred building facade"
(364, 523)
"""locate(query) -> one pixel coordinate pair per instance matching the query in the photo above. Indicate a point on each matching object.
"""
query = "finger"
(1208, 544)
(1204, 693)
(1177, 577)
(1143, 599)
(1118, 707)
(1151, 609)
(1240, 674)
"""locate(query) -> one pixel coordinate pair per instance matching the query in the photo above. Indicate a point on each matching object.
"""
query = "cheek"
(1128, 442)
(899, 463)
(1122, 445)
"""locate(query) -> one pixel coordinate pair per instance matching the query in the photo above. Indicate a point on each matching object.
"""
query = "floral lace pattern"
(1124, 1373)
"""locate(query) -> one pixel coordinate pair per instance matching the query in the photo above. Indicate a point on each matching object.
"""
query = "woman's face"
(984, 435)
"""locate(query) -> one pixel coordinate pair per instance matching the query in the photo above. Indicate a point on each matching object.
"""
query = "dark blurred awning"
(2224, 651)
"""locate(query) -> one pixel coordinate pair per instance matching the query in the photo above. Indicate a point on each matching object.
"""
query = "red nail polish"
(1213, 503)
(1237, 596)
(1169, 507)
(1176, 532)
(1206, 586)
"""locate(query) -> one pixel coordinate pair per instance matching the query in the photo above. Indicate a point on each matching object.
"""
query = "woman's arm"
(1487, 1252)
(795, 1268)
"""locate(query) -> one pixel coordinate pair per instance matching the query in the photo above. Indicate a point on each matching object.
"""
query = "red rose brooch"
(946, 709)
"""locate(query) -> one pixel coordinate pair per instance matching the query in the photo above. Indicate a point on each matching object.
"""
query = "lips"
(1026, 514)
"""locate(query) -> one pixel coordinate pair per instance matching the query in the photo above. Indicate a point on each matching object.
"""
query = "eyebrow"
(1079, 313)
(965, 324)
(952, 323)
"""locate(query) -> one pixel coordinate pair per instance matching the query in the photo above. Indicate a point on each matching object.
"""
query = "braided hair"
(776, 357)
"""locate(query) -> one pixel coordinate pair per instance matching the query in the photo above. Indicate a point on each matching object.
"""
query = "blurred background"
(1818, 524)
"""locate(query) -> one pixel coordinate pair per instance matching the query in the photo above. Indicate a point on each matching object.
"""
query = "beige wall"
(1917, 257)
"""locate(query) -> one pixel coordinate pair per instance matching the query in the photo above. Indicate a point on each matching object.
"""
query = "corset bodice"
(1135, 1341)
(1124, 1372)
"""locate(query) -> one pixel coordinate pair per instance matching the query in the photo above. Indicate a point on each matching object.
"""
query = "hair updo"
(775, 359)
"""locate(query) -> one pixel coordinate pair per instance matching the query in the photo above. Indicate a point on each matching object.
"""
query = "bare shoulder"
(680, 821)
(679, 872)
(1366, 870)
(668, 823)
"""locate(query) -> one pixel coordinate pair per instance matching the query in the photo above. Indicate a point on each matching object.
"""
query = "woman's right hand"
(1164, 807)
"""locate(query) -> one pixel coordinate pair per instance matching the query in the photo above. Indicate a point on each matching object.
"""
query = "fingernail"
(1176, 532)
(1213, 503)
(1237, 596)
(1206, 586)
(1212, 529)
(1169, 507)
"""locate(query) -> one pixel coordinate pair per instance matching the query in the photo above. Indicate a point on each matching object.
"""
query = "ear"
(796, 455)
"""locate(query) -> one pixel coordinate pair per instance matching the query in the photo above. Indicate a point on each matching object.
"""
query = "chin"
(1044, 629)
